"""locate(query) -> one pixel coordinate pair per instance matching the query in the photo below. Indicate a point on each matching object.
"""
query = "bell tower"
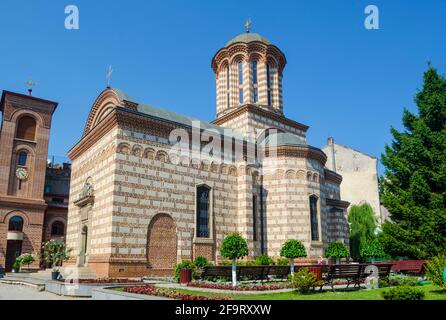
(24, 138)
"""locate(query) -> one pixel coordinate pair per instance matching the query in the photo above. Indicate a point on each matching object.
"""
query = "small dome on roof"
(248, 37)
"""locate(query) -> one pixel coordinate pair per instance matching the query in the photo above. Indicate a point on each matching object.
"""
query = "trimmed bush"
(201, 262)
(336, 250)
(372, 250)
(398, 280)
(234, 246)
(292, 249)
(282, 262)
(403, 293)
(264, 260)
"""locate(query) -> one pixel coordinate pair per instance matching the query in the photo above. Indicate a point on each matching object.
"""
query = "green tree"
(413, 188)
(233, 247)
(363, 224)
(372, 250)
(336, 250)
(292, 249)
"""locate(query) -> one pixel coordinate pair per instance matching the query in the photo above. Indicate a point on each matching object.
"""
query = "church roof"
(164, 114)
(282, 139)
(248, 37)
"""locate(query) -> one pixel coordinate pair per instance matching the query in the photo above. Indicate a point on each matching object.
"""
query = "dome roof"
(248, 37)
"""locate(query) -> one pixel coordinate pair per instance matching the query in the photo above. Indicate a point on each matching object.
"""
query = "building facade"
(360, 175)
(26, 217)
(151, 187)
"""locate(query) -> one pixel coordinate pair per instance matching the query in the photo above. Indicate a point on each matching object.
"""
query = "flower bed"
(100, 281)
(168, 293)
(222, 286)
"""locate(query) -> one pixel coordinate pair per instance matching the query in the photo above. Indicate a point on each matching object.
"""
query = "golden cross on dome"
(248, 25)
(30, 84)
(109, 75)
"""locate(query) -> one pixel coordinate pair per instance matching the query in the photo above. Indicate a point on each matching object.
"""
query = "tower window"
(26, 128)
(240, 82)
(313, 218)
(227, 87)
(15, 224)
(255, 82)
(22, 158)
(203, 212)
(268, 83)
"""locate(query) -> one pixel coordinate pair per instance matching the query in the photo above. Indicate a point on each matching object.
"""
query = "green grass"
(432, 293)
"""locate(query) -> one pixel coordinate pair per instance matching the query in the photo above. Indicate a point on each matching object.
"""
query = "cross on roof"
(30, 85)
(248, 25)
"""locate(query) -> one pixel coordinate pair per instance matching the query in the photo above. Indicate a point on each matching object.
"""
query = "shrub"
(26, 259)
(304, 280)
(201, 262)
(282, 262)
(435, 271)
(264, 260)
(372, 250)
(336, 250)
(16, 265)
(398, 280)
(185, 264)
(55, 253)
(403, 293)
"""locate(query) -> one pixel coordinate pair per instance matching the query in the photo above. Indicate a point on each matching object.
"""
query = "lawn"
(432, 293)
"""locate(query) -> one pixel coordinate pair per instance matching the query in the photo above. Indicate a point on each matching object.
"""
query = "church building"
(137, 206)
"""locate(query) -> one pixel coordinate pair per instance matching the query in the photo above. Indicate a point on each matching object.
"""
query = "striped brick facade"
(133, 203)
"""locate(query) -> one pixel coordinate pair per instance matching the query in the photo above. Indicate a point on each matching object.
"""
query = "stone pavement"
(21, 292)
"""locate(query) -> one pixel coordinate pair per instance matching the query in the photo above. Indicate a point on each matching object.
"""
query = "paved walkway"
(21, 292)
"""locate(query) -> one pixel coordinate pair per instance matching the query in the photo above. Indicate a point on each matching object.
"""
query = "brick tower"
(24, 137)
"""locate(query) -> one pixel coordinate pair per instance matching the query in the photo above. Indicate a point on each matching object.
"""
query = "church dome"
(247, 38)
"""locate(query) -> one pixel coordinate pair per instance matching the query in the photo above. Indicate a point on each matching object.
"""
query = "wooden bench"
(383, 269)
(353, 273)
(220, 271)
(415, 267)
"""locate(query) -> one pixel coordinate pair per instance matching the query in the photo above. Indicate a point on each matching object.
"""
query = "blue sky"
(341, 79)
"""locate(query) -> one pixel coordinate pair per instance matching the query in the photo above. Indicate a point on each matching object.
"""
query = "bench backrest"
(220, 271)
(343, 271)
(409, 265)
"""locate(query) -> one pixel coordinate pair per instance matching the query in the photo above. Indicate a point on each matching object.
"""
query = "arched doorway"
(162, 242)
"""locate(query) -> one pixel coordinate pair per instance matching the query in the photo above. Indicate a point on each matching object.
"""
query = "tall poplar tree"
(413, 187)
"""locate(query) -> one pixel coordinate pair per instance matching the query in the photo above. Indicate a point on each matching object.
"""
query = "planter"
(55, 275)
(317, 272)
(185, 276)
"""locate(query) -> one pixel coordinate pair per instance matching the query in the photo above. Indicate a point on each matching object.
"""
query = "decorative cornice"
(332, 176)
(21, 203)
(256, 49)
(306, 152)
(261, 112)
(337, 203)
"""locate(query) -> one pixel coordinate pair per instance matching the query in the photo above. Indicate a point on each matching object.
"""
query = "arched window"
(22, 158)
(314, 219)
(240, 82)
(57, 228)
(203, 204)
(255, 81)
(15, 224)
(228, 83)
(26, 128)
(268, 83)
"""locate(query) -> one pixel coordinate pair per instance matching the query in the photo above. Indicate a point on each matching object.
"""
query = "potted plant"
(234, 246)
(336, 251)
(16, 266)
(55, 253)
(292, 249)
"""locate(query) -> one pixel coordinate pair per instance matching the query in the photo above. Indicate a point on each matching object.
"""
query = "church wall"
(97, 166)
(288, 183)
(147, 184)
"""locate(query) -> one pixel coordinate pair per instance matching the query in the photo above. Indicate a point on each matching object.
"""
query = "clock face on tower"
(22, 174)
